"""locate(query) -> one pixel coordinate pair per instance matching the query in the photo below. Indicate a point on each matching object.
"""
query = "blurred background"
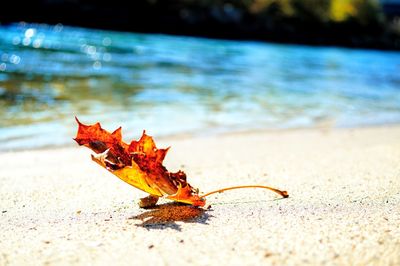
(192, 67)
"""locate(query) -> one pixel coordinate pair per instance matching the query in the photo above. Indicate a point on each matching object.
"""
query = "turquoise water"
(179, 85)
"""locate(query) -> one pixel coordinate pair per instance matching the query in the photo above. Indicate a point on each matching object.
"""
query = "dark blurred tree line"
(354, 23)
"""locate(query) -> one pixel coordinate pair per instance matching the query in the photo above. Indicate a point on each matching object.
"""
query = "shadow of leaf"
(166, 215)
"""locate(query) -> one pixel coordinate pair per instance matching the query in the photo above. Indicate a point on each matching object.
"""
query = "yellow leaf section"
(134, 176)
(184, 194)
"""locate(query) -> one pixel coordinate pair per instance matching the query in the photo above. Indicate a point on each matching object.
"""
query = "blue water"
(179, 85)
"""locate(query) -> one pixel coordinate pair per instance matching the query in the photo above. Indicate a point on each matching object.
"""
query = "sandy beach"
(59, 208)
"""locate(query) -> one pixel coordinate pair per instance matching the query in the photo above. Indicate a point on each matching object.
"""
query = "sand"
(58, 207)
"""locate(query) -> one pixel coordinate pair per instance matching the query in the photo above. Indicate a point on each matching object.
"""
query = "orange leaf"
(138, 164)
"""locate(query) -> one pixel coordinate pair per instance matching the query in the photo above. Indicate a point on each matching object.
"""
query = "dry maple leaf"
(140, 165)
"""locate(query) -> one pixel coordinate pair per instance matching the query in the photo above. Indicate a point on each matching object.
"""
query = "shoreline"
(58, 207)
(217, 134)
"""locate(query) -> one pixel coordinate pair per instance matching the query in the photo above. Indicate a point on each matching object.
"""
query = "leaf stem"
(280, 192)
